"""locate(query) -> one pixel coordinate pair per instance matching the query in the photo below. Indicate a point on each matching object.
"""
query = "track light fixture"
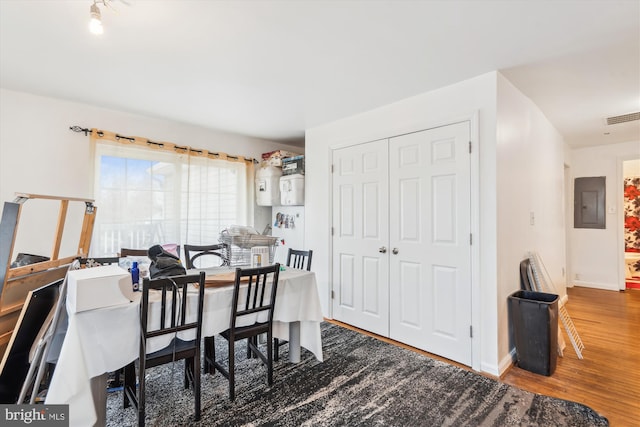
(95, 24)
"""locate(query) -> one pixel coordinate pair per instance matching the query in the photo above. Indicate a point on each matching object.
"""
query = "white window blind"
(146, 197)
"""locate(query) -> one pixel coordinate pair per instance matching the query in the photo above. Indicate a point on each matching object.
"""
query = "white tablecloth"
(104, 340)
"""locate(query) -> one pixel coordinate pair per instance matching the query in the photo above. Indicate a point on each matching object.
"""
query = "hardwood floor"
(607, 379)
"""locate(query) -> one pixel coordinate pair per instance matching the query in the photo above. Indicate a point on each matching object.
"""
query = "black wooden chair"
(132, 252)
(192, 252)
(299, 259)
(252, 315)
(140, 252)
(302, 261)
(174, 319)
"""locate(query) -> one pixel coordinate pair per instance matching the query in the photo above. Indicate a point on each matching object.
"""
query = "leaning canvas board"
(34, 319)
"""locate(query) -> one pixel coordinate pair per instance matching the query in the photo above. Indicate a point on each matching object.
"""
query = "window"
(145, 197)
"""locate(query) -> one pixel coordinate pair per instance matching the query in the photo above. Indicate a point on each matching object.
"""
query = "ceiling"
(272, 69)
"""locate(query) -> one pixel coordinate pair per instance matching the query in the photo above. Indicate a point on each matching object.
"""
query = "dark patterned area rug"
(362, 382)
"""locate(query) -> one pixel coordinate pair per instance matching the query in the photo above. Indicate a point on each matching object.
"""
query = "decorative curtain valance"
(103, 135)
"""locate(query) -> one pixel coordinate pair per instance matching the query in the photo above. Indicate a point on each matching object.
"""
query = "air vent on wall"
(623, 118)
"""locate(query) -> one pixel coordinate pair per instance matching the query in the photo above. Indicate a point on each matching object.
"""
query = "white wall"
(530, 182)
(462, 100)
(597, 255)
(521, 171)
(631, 167)
(40, 155)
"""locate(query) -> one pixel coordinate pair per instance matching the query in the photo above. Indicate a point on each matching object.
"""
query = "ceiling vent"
(623, 118)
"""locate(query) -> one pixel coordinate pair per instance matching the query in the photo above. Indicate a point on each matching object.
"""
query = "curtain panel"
(157, 193)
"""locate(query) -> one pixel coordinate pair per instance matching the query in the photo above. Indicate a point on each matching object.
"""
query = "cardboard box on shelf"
(274, 158)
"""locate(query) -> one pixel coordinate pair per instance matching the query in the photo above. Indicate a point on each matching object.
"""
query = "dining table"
(106, 339)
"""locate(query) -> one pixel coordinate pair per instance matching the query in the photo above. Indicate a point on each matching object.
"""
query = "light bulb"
(95, 24)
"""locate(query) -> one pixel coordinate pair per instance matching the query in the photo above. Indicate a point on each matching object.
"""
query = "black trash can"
(534, 318)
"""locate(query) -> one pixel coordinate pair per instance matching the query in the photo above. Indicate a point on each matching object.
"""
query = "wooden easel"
(16, 283)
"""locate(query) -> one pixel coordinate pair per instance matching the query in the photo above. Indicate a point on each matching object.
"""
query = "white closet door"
(430, 225)
(360, 232)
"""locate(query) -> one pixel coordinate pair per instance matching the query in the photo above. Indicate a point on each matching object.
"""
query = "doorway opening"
(631, 209)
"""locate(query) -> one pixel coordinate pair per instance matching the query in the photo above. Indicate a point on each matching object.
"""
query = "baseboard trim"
(606, 286)
(506, 362)
(489, 369)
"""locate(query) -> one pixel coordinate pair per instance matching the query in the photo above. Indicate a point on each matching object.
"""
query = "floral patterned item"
(632, 216)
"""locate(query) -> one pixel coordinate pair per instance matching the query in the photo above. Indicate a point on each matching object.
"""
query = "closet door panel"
(360, 231)
(429, 228)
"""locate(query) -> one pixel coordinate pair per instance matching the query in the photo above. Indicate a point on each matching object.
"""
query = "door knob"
(383, 250)
(395, 251)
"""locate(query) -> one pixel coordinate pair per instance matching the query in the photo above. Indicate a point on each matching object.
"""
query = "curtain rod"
(184, 149)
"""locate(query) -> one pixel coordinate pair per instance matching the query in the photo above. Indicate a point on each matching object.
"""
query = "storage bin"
(292, 190)
(534, 319)
(267, 185)
(261, 256)
(98, 287)
(293, 165)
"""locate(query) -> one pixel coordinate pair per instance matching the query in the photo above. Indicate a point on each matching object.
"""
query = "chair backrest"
(297, 259)
(145, 252)
(132, 252)
(96, 262)
(192, 252)
(174, 317)
(254, 296)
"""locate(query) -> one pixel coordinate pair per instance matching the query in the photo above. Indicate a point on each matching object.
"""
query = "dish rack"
(240, 240)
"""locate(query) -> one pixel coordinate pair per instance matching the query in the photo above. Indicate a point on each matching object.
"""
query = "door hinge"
(469, 147)
(470, 238)
(331, 168)
(470, 331)
(333, 295)
(332, 231)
